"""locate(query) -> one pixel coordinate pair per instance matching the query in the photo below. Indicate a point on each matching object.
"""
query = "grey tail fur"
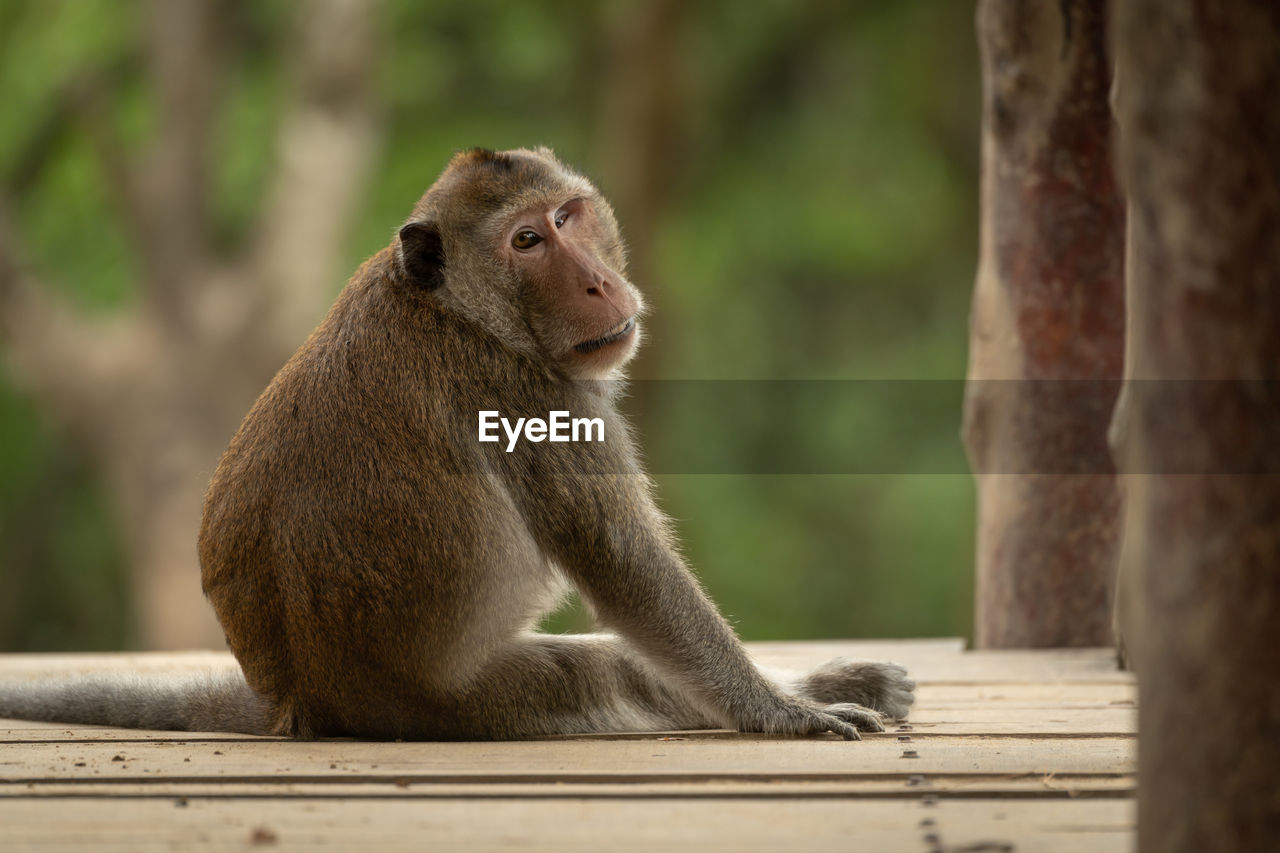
(197, 702)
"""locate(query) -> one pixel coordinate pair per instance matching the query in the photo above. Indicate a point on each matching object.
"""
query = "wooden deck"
(1026, 751)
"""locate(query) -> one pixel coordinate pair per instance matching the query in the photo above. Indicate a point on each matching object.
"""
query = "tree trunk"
(1200, 155)
(154, 392)
(1047, 336)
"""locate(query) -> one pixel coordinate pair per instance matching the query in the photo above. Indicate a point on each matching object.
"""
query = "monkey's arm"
(607, 535)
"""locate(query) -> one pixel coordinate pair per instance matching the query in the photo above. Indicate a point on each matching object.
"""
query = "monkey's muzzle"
(617, 333)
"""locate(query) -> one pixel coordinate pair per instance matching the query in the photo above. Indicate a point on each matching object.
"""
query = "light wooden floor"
(1026, 751)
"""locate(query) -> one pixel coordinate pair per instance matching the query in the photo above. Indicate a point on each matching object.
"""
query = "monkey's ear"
(420, 255)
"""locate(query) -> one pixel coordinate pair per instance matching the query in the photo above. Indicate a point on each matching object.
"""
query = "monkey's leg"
(563, 684)
(609, 539)
(883, 687)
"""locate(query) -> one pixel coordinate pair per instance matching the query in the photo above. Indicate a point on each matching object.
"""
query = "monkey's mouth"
(617, 333)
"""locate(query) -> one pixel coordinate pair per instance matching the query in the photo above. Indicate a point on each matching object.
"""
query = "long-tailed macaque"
(379, 570)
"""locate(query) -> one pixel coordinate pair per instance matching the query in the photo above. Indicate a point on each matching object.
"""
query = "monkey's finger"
(843, 729)
(863, 718)
(843, 721)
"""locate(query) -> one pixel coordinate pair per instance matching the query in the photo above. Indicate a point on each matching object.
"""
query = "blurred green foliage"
(821, 225)
(64, 579)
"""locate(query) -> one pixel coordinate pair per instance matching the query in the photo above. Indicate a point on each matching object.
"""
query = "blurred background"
(185, 185)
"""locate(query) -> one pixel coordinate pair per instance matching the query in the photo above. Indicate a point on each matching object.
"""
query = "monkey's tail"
(197, 702)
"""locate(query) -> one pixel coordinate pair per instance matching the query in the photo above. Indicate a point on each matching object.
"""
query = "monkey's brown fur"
(378, 571)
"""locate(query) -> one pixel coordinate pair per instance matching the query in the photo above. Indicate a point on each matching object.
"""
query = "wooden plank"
(928, 660)
(993, 719)
(953, 709)
(1030, 694)
(806, 653)
(736, 756)
(1005, 709)
(927, 652)
(1042, 665)
(1034, 749)
(373, 786)
(941, 663)
(1084, 826)
(929, 722)
(16, 732)
(43, 664)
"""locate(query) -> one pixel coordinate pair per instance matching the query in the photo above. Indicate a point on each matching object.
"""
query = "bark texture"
(1047, 328)
(1200, 156)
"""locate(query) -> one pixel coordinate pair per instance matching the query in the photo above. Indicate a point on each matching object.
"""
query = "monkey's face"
(582, 311)
(530, 251)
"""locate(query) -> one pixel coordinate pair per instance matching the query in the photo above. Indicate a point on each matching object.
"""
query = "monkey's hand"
(795, 716)
(884, 687)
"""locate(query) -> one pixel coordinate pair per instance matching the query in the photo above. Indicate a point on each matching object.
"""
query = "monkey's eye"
(561, 218)
(526, 239)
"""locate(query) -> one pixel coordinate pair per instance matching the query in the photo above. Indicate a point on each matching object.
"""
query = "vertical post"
(1200, 155)
(1047, 327)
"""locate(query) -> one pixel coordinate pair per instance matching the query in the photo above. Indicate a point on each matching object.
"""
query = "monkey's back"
(347, 536)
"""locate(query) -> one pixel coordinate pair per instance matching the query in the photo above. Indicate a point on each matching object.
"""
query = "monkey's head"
(529, 250)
